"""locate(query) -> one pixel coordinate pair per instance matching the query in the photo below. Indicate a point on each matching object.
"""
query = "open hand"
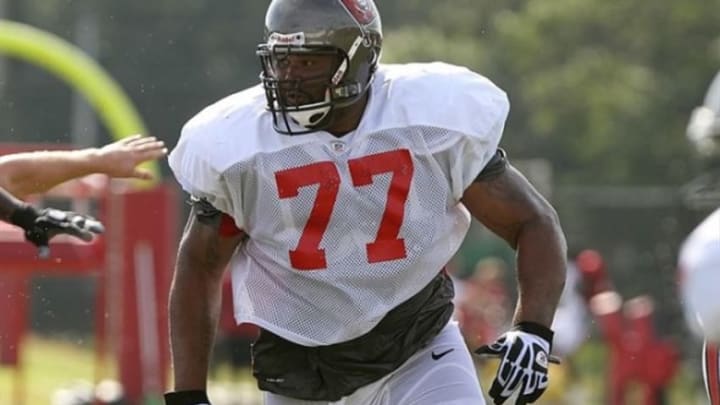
(121, 158)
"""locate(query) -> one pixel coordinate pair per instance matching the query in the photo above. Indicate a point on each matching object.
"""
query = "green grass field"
(47, 366)
(53, 364)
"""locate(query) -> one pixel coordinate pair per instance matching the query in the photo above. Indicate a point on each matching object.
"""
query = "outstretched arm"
(511, 207)
(40, 226)
(27, 173)
(8, 205)
(195, 296)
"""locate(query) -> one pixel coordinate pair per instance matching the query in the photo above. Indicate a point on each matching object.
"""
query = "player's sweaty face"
(304, 78)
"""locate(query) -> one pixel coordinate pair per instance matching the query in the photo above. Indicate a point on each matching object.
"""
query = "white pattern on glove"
(523, 365)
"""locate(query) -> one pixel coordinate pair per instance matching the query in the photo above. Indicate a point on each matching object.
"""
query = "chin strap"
(309, 116)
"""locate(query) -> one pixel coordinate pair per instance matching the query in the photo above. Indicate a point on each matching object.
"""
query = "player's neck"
(347, 119)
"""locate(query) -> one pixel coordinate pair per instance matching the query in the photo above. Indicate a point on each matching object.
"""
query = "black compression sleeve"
(496, 166)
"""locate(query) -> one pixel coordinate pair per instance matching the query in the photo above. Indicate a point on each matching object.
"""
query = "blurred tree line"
(601, 90)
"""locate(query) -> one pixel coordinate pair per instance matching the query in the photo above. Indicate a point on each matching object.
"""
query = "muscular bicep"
(505, 203)
(204, 245)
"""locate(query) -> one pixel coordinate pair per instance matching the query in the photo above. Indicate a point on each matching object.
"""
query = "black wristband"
(24, 216)
(193, 397)
(536, 329)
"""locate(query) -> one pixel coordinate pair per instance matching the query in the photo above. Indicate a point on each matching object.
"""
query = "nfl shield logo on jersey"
(338, 146)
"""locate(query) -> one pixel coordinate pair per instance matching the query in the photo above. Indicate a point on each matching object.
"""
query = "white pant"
(440, 374)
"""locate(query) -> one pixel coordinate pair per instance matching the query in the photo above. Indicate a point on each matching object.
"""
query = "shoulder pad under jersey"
(444, 96)
(215, 139)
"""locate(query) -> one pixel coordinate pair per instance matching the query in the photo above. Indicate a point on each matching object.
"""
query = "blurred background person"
(699, 275)
(571, 326)
(699, 256)
(483, 307)
(572, 318)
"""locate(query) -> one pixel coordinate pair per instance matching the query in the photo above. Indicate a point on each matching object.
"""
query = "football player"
(699, 258)
(699, 266)
(344, 186)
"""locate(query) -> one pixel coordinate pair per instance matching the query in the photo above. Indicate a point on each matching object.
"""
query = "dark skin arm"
(8, 205)
(511, 207)
(195, 297)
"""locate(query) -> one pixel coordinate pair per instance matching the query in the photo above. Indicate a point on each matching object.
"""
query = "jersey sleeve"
(473, 154)
(474, 110)
(192, 165)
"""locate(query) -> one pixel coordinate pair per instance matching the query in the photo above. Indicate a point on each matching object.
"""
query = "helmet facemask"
(307, 100)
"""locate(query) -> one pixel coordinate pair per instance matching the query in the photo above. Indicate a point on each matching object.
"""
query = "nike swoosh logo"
(437, 356)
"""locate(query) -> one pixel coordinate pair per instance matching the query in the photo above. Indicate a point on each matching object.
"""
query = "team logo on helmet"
(361, 10)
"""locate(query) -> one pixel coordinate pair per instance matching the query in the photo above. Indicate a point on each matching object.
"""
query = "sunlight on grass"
(51, 364)
(48, 364)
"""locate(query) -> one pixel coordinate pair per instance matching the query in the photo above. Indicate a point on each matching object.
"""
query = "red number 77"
(386, 246)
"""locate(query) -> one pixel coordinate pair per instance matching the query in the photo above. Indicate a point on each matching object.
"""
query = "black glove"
(524, 353)
(42, 225)
(195, 397)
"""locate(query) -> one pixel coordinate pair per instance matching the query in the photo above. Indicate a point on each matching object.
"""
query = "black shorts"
(328, 373)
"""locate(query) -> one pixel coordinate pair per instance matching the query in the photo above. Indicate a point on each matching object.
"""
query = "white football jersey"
(342, 230)
(699, 266)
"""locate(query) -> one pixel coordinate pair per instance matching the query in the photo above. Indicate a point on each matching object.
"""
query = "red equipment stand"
(138, 280)
(132, 262)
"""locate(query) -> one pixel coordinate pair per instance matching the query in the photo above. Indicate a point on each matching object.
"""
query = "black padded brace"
(24, 217)
(496, 166)
(204, 211)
